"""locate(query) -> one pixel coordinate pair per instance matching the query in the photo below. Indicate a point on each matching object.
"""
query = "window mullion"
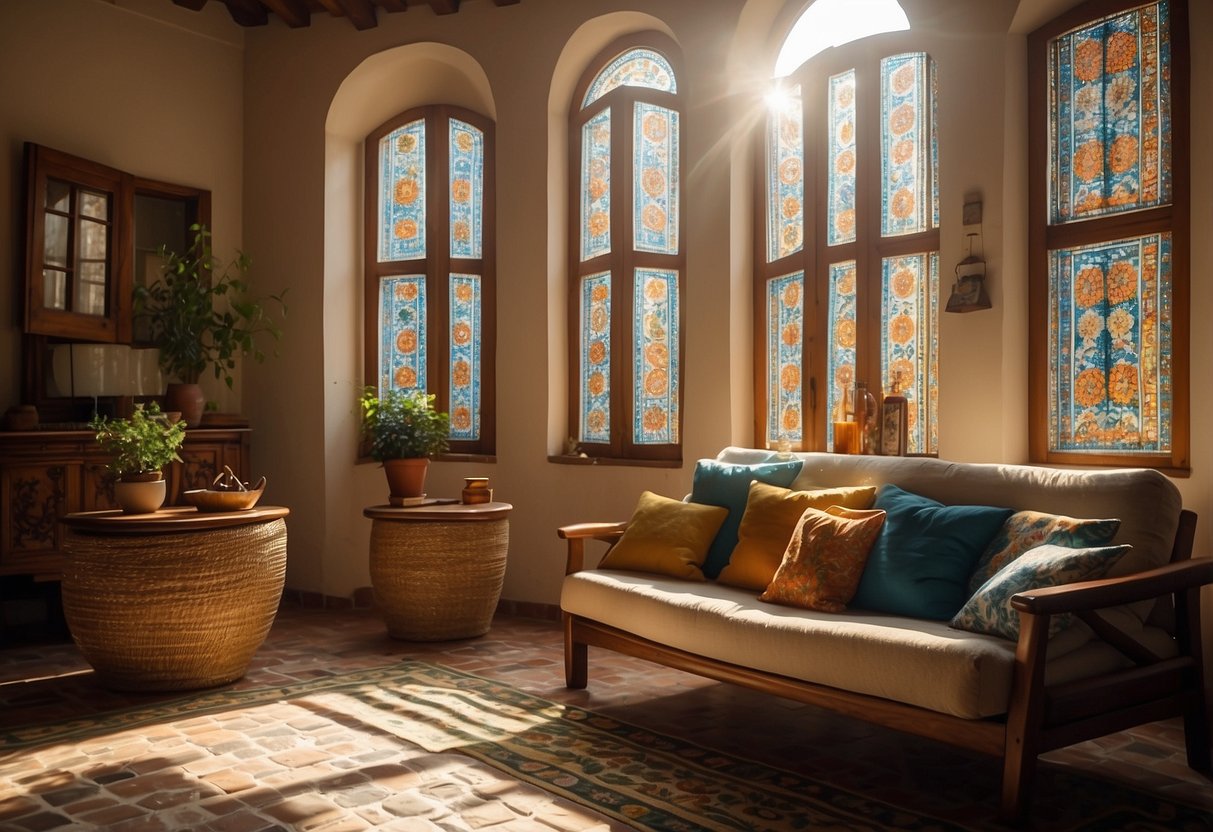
(624, 260)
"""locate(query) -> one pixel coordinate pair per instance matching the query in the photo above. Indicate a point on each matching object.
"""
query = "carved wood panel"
(33, 496)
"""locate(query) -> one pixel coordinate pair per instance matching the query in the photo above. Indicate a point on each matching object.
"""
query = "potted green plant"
(402, 430)
(202, 313)
(139, 448)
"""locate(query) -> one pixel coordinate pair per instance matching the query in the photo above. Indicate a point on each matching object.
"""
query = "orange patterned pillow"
(825, 558)
(771, 515)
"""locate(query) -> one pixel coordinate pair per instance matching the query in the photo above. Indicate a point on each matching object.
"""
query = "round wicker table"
(437, 570)
(173, 600)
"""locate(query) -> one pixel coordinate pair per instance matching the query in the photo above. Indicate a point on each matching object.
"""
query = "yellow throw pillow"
(771, 515)
(666, 536)
(825, 559)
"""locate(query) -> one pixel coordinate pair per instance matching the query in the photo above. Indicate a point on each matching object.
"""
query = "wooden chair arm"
(601, 531)
(578, 533)
(1111, 592)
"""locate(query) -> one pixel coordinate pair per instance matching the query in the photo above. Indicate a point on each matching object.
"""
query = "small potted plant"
(139, 448)
(202, 314)
(402, 430)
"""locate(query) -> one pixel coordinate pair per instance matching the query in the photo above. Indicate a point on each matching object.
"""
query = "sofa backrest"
(1146, 502)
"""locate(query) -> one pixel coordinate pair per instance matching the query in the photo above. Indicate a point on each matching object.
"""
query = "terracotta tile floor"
(50, 681)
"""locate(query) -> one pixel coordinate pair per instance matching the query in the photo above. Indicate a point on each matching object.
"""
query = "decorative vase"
(406, 477)
(188, 399)
(140, 493)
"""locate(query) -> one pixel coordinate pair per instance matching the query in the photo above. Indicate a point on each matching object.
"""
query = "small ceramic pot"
(140, 493)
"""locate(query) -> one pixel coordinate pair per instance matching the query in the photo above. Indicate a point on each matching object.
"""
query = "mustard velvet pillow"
(771, 515)
(825, 559)
(666, 536)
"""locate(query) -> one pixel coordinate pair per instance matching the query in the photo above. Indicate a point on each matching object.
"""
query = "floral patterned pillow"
(989, 610)
(1026, 530)
(825, 558)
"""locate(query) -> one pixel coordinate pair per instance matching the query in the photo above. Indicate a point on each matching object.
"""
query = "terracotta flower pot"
(140, 493)
(406, 477)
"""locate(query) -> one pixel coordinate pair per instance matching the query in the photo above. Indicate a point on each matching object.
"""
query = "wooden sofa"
(1039, 707)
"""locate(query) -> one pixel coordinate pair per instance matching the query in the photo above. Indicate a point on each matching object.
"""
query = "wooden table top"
(447, 512)
(171, 519)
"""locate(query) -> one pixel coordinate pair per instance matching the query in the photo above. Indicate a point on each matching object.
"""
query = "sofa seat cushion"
(918, 662)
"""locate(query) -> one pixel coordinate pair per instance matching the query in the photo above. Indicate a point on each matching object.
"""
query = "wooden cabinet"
(47, 474)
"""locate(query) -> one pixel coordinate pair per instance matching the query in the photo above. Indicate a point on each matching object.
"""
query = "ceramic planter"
(140, 493)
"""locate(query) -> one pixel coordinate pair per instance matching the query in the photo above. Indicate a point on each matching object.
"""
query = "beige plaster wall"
(275, 133)
(139, 85)
(303, 212)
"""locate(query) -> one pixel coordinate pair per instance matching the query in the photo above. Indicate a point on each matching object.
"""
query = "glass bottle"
(894, 428)
(868, 416)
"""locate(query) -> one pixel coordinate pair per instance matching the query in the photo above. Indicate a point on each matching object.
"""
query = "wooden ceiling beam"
(505, 2)
(192, 5)
(293, 12)
(394, 5)
(247, 12)
(360, 12)
(444, 6)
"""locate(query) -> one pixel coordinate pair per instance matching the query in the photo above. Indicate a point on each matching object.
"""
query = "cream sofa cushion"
(923, 663)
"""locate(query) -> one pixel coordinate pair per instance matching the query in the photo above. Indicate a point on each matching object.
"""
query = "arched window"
(847, 261)
(1109, 236)
(627, 270)
(430, 295)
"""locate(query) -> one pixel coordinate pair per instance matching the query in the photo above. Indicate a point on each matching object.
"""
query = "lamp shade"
(92, 369)
(146, 375)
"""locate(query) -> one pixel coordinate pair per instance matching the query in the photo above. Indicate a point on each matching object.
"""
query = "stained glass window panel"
(596, 186)
(910, 342)
(1110, 378)
(655, 168)
(402, 193)
(655, 357)
(840, 367)
(402, 333)
(634, 68)
(595, 370)
(907, 141)
(1110, 116)
(785, 358)
(466, 352)
(840, 144)
(785, 179)
(466, 189)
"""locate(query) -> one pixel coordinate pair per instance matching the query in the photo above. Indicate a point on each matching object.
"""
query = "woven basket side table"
(437, 571)
(170, 606)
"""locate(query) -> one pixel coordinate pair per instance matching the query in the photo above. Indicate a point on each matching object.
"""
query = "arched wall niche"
(381, 86)
(586, 42)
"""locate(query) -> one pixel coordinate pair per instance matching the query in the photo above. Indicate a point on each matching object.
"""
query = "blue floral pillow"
(1026, 530)
(989, 610)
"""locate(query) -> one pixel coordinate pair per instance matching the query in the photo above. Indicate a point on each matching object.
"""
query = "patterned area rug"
(636, 776)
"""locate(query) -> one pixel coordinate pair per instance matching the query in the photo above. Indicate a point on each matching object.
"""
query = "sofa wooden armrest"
(578, 533)
(1110, 592)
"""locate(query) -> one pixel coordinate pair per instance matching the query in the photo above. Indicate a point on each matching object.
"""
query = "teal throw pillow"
(727, 485)
(922, 559)
(990, 611)
(1026, 530)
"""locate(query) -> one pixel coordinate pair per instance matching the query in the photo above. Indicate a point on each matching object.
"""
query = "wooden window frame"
(1174, 218)
(437, 266)
(622, 261)
(815, 257)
